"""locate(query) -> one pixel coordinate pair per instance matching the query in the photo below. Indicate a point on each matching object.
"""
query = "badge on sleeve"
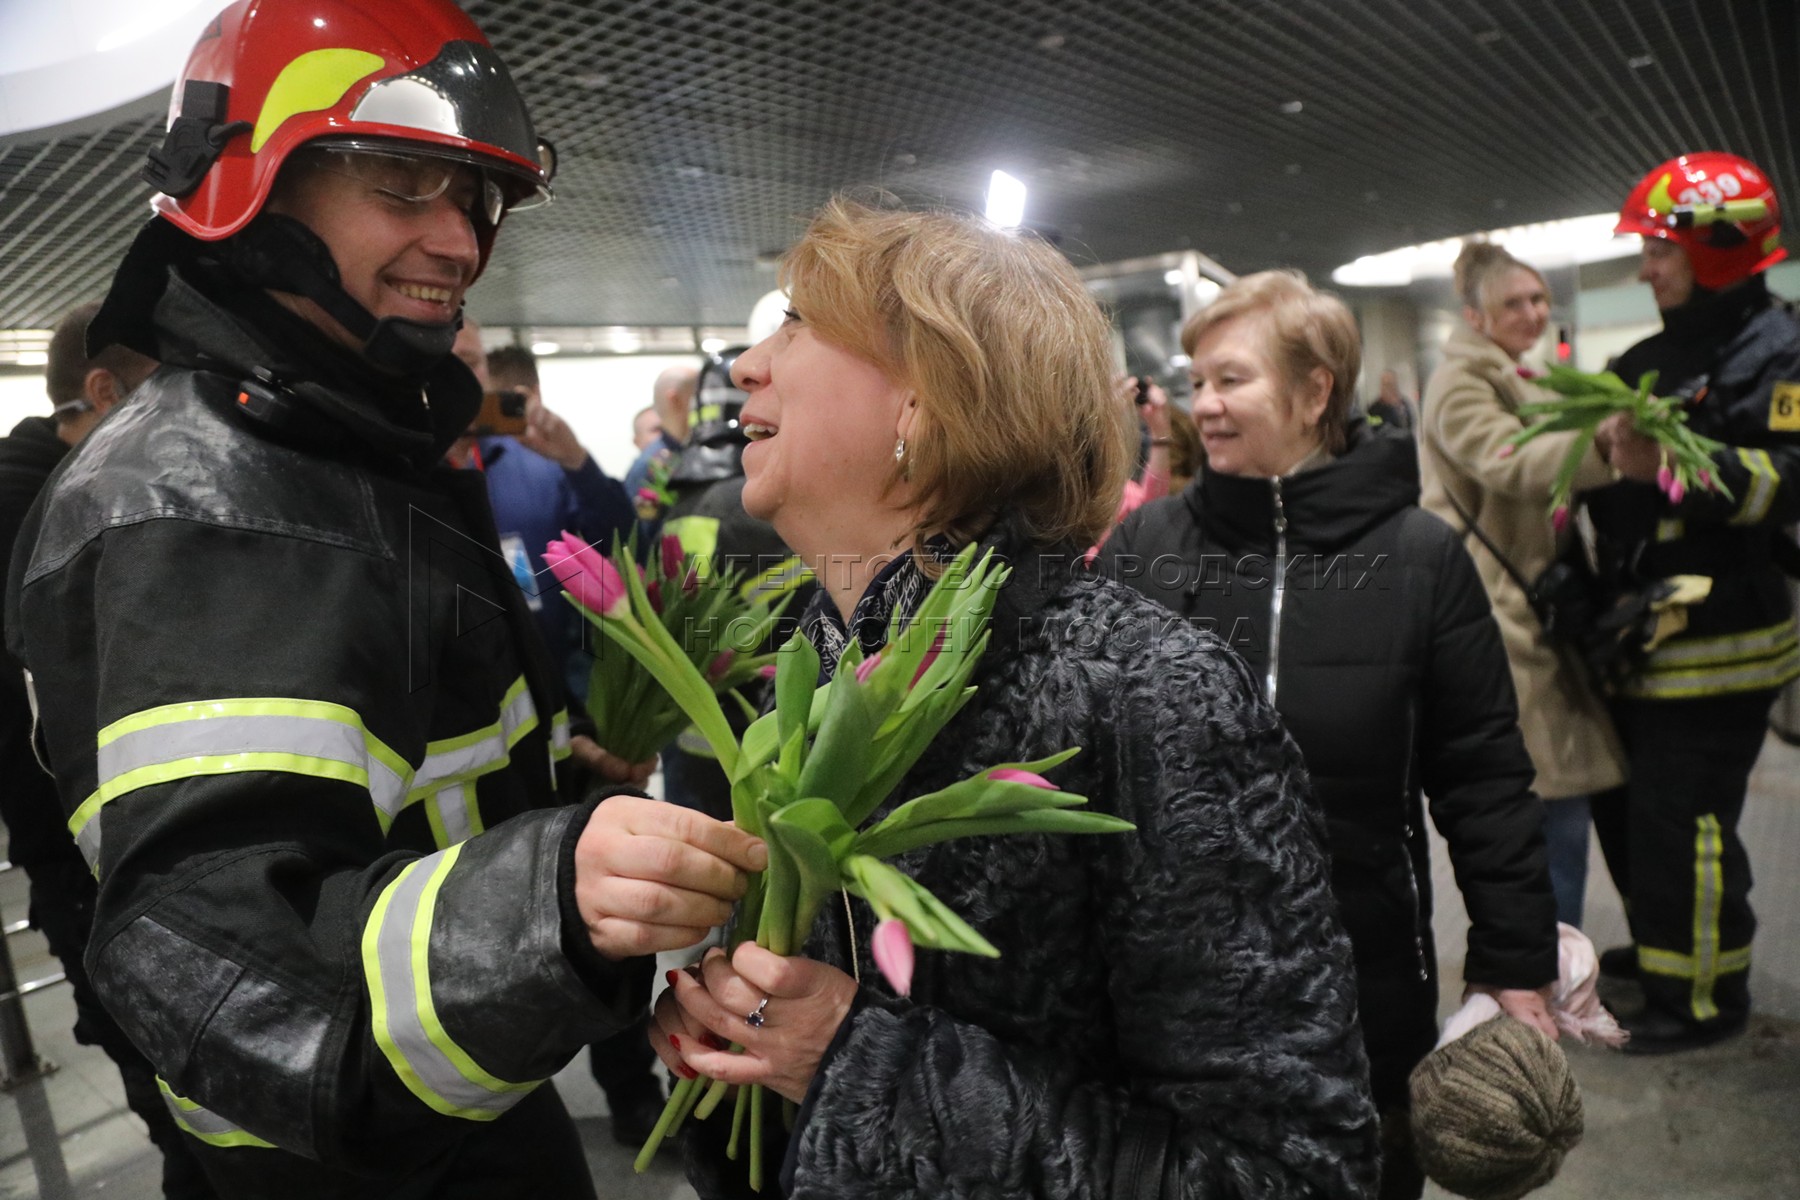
(1784, 407)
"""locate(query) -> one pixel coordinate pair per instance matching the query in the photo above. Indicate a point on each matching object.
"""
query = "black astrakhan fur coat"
(1196, 965)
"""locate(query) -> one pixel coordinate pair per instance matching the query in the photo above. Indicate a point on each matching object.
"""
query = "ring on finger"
(756, 1017)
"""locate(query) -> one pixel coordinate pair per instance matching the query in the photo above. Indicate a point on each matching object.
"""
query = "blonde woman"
(1471, 407)
(940, 381)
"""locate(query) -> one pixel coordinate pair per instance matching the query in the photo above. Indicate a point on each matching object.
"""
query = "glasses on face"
(419, 179)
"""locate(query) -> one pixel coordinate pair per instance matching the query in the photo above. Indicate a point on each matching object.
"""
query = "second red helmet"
(1718, 207)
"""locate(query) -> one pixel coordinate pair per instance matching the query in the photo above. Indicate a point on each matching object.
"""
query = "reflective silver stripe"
(209, 1127)
(1715, 681)
(1764, 480)
(396, 966)
(1728, 648)
(225, 736)
(450, 817)
(559, 736)
(480, 751)
(238, 735)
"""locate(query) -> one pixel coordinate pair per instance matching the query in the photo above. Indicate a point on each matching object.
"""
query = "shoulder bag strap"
(1472, 527)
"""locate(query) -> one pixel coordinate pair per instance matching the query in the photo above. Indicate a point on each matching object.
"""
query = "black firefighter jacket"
(304, 736)
(1387, 667)
(1733, 360)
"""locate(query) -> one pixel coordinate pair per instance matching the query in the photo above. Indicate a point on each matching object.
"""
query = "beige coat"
(1470, 408)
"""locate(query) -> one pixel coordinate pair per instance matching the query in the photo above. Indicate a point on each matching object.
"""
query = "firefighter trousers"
(1672, 845)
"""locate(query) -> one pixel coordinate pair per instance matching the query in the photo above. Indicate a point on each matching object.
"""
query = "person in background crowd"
(531, 506)
(1195, 966)
(1693, 715)
(1391, 409)
(296, 707)
(671, 396)
(1471, 408)
(646, 427)
(82, 391)
(1394, 682)
(540, 483)
(1149, 406)
(1185, 453)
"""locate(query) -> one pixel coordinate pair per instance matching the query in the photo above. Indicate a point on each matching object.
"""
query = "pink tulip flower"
(1559, 520)
(1014, 775)
(937, 648)
(715, 671)
(646, 496)
(867, 666)
(588, 575)
(893, 949)
(1665, 478)
(1677, 490)
(767, 670)
(653, 590)
(1507, 450)
(1706, 479)
(671, 556)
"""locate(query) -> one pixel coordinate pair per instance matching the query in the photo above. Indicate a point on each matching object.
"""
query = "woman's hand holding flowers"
(700, 1016)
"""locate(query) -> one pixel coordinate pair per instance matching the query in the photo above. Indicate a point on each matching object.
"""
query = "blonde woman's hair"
(1483, 266)
(1309, 329)
(1006, 354)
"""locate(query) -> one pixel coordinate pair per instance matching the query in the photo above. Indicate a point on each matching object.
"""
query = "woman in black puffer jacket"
(1365, 622)
(938, 382)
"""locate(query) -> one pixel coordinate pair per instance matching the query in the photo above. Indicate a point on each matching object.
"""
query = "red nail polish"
(687, 1072)
(713, 1041)
(670, 976)
(674, 1041)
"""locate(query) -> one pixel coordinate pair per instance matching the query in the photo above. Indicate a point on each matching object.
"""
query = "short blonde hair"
(1008, 357)
(1309, 329)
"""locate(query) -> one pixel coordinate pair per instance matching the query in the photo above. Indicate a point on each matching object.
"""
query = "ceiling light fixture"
(542, 348)
(1543, 245)
(1005, 200)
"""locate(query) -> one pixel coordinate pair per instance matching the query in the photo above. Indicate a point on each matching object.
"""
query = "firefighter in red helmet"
(343, 909)
(1694, 711)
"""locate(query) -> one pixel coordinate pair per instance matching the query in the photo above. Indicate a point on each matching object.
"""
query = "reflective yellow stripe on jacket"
(1738, 662)
(1765, 480)
(396, 950)
(221, 737)
(209, 1127)
(445, 782)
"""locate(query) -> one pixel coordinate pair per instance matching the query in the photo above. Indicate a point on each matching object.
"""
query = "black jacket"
(1195, 965)
(36, 835)
(286, 683)
(1733, 358)
(1392, 678)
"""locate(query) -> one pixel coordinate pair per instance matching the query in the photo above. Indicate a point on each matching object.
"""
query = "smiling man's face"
(396, 256)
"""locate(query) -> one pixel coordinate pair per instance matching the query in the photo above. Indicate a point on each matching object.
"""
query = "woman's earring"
(900, 450)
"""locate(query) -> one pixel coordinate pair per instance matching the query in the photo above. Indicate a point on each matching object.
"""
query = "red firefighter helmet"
(269, 76)
(1718, 207)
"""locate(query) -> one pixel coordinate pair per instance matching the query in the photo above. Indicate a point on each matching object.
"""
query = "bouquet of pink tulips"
(1585, 400)
(808, 775)
(674, 612)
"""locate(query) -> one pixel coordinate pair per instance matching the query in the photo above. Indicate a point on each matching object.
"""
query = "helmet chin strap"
(276, 251)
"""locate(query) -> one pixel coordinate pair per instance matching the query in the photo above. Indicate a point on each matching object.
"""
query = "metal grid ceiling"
(695, 134)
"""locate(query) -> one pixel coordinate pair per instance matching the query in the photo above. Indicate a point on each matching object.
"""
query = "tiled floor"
(1720, 1124)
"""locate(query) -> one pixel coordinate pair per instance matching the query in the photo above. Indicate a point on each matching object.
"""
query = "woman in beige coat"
(1471, 407)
